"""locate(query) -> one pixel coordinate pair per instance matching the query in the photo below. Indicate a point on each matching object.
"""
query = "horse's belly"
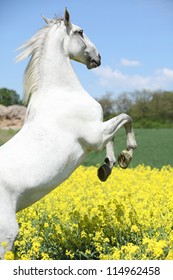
(48, 175)
(30, 172)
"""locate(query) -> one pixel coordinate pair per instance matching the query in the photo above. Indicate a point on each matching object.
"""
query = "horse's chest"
(86, 110)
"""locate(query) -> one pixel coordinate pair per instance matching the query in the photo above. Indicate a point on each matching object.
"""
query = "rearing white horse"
(63, 123)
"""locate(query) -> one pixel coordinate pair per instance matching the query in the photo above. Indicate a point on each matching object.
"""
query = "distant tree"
(108, 105)
(123, 103)
(141, 101)
(147, 108)
(161, 106)
(9, 97)
(152, 109)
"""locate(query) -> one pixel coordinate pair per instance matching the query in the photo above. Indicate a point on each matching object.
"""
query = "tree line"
(9, 97)
(147, 108)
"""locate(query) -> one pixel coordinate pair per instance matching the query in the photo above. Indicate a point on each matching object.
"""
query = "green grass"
(155, 147)
(6, 134)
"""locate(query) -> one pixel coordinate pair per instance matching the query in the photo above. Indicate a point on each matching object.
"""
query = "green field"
(155, 147)
(6, 134)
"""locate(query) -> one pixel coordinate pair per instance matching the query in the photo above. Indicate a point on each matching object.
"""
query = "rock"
(3, 111)
(16, 112)
(12, 116)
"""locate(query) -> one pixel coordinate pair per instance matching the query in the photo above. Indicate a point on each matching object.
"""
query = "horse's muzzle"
(93, 63)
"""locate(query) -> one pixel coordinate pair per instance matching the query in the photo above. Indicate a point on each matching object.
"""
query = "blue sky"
(134, 38)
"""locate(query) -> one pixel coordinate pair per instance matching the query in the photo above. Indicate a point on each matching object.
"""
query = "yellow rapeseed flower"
(46, 225)
(4, 244)
(9, 255)
(134, 228)
(69, 254)
(127, 217)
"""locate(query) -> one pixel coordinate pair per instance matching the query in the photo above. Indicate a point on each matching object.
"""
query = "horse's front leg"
(105, 170)
(109, 129)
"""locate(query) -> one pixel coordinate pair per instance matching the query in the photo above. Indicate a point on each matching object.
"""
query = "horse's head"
(76, 44)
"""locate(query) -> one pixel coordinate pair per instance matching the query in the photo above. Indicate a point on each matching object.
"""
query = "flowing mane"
(34, 47)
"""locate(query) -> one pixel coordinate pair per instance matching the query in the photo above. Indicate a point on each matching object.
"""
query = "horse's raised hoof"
(124, 159)
(103, 172)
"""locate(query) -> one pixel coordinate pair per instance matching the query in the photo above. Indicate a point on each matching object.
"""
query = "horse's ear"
(46, 19)
(66, 17)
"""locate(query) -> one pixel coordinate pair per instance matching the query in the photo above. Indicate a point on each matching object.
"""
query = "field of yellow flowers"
(128, 217)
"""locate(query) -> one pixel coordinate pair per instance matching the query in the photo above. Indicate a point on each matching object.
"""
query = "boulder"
(12, 116)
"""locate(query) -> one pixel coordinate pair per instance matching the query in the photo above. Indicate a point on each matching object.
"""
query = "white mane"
(33, 47)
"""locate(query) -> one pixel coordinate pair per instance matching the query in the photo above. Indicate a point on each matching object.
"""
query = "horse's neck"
(58, 82)
(55, 67)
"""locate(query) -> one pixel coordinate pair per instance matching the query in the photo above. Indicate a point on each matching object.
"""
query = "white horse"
(63, 123)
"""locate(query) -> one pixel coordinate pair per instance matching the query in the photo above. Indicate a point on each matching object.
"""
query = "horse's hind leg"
(8, 234)
(8, 227)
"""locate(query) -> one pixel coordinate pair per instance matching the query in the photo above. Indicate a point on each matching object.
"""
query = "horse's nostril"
(99, 56)
(96, 63)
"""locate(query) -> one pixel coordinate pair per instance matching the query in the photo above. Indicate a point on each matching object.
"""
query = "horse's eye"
(80, 33)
